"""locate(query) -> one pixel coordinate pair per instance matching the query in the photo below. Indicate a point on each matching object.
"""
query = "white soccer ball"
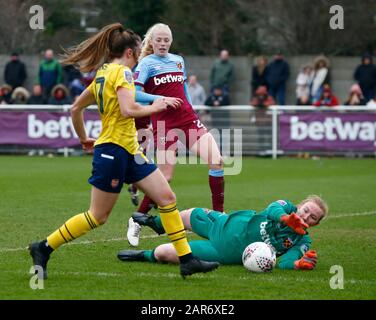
(259, 257)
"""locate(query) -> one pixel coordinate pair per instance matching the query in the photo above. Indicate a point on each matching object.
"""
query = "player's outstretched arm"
(130, 109)
(83, 101)
(146, 98)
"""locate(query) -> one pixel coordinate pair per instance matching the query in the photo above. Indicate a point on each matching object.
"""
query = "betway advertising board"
(44, 129)
(328, 131)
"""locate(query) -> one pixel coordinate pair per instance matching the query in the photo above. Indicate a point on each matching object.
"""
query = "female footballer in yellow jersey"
(117, 156)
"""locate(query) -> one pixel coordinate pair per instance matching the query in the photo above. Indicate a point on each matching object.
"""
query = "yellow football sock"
(174, 227)
(72, 229)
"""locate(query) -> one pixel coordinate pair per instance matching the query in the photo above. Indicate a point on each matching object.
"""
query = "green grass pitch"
(38, 194)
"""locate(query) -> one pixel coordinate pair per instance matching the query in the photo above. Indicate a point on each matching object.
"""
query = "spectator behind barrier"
(277, 75)
(262, 99)
(218, 98)
(220, 118)
(6, 94)
(321, 77)
(303, 85)
(372, 102)
(258, 75)
(59, 95)
(15, 71)
(70, 73)
(37, 96)
(327, 98)
(304, 101)
(196, 91)
(20, 96)
(222, 73)
(356, 97)
(76, 88)
(50, 73)
(365, 74)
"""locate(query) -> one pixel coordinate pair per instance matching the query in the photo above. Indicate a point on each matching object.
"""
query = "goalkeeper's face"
(310, 213)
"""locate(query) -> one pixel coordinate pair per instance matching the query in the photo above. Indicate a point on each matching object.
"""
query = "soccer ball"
(259, 257)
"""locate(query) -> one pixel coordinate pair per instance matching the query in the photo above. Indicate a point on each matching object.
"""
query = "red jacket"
(327, 102)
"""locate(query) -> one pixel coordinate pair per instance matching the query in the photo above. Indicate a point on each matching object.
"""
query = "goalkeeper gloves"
(307, 262)
(294, 222)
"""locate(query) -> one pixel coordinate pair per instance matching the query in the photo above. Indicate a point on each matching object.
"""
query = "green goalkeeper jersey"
(241, 228)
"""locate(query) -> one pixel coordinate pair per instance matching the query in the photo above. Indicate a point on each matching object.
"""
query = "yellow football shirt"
(115, 127)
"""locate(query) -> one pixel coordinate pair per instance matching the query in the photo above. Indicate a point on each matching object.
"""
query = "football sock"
(145, 205)
(217, 187)
(174, 227)
(149, 256)
(73, 228)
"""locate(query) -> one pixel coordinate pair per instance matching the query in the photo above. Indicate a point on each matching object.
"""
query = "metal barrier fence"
(280, 130)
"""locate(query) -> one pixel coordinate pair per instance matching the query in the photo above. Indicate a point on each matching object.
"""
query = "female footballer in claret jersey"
(117, 158)
(160, 73)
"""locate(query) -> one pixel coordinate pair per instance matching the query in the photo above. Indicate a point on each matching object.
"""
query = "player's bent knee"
(101, 218)
(167, 198)
(165, 253)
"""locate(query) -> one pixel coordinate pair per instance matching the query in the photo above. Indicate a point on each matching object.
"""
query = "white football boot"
(133, 232)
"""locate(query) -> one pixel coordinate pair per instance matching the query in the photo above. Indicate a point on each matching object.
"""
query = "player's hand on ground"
(88, 144)
(173, 102)
(295, 223)
(307, 262)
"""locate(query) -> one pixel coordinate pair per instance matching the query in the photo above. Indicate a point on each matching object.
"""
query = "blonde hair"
(147, 47)
(107, 44)
(320, 203)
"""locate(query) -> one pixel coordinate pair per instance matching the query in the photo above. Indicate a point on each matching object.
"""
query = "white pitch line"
(86, 242)
(355, 214)
(213, 275)
(89, 242)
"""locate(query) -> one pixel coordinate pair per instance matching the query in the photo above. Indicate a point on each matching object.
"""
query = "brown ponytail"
(107, 44)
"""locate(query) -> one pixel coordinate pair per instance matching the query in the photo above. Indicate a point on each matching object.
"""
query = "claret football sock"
(146, 205)
(72, 229)
(217, 187)
(173, 225)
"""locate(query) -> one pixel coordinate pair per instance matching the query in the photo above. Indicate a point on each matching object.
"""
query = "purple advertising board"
(328, 131)
(44, 129)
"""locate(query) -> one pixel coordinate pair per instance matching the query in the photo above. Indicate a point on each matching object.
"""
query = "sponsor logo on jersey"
(265, 236)
(168, 79)
(179, 65)
(287, 243)
(282, 202)
(128, 76)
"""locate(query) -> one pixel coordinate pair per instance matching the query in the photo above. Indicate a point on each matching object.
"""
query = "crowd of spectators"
(59, 85)
(54, 84)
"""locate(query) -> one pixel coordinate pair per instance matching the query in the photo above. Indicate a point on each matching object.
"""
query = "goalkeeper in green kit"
(281, 225)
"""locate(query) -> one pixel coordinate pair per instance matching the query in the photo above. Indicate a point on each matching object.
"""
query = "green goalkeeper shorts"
(208, 224)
